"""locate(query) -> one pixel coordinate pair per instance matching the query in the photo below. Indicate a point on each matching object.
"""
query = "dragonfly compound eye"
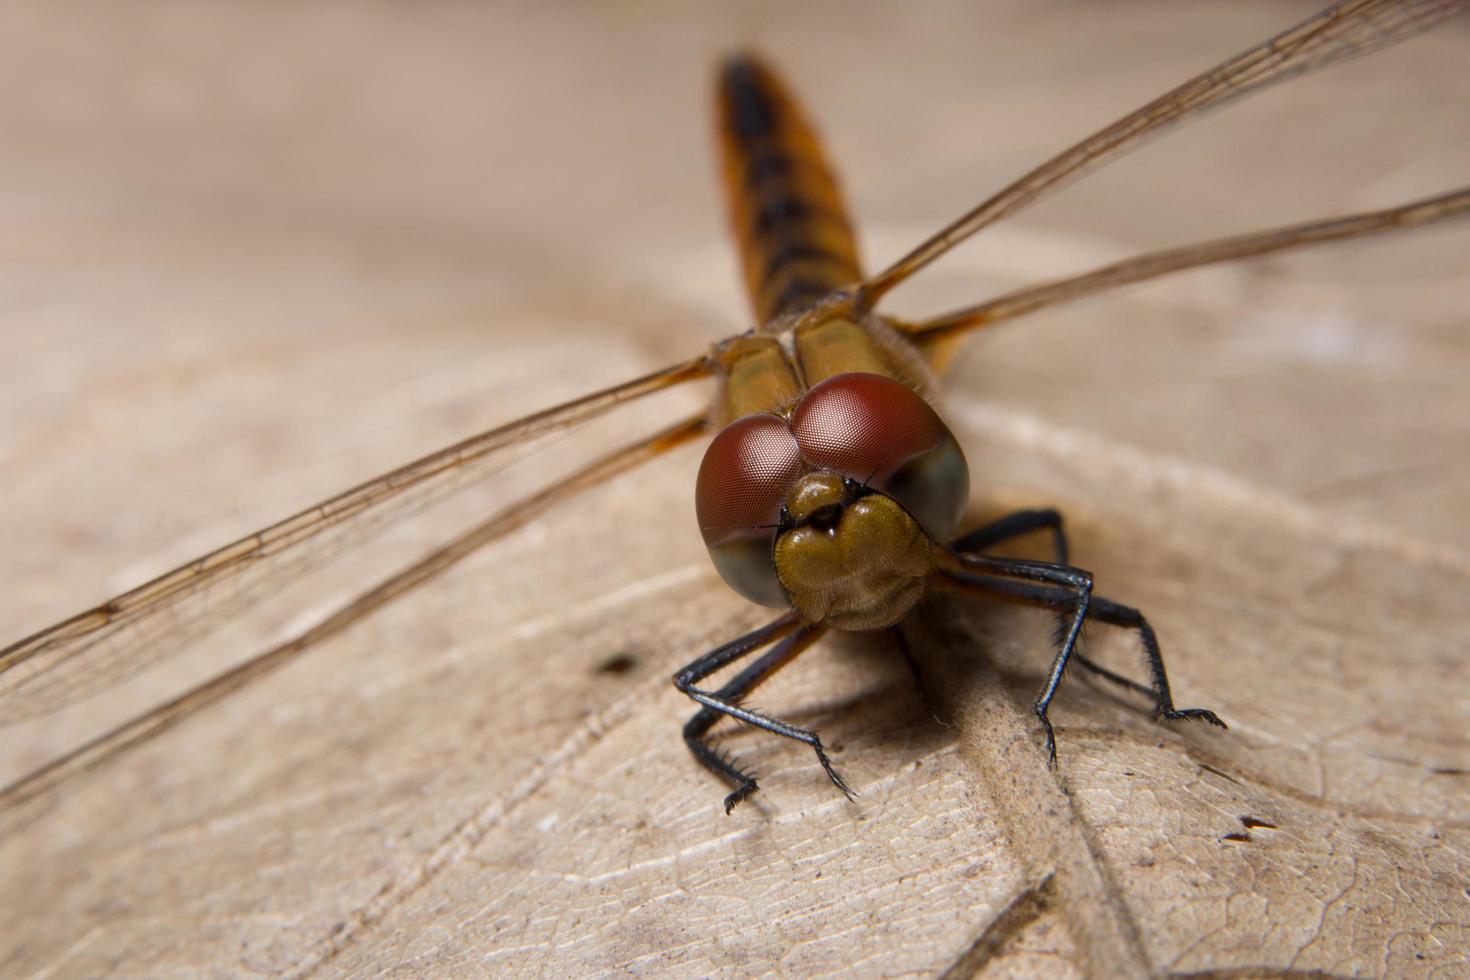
(742, 484)
(882, 434)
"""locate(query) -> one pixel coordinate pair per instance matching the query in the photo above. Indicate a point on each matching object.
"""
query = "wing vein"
(163, 717)
(1455, 204)
(71, 659)
(1343, 31)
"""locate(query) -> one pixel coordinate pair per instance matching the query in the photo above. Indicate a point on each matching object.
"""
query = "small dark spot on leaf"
(1449, 771)
(836, 746)
(1238, 838)
(618, 663)
(1251, 823)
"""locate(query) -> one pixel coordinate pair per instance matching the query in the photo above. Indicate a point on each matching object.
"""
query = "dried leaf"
(260, 253)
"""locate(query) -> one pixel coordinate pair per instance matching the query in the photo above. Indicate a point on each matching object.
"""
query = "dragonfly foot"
(746, 787)
(1051, 737)
(1192, 714)
(847, 791)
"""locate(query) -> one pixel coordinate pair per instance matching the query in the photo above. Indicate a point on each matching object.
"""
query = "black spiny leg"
(1014, 525)
(1130, 618)
(908, 658)
(794, 638)
(1017, 524)
(1071, 587)
(1114, 614)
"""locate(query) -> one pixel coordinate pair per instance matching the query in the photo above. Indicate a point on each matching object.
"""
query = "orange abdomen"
(795, 240)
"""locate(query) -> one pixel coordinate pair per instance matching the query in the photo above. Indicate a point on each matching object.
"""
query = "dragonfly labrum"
(850, 506)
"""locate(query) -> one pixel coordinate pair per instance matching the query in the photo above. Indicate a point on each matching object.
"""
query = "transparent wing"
(96, 648)
(1455, 204)
(95, 752)
(1342, 31)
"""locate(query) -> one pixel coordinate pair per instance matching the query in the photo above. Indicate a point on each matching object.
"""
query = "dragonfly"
(821, 517)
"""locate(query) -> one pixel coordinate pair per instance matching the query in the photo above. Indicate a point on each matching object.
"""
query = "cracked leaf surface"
(256, 255)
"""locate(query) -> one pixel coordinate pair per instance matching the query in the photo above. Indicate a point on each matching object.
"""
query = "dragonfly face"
(834, 506)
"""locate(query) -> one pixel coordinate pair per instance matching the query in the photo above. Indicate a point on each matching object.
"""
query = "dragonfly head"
(834, 508)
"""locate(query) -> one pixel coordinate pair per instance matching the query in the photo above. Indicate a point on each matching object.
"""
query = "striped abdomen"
(795, 240)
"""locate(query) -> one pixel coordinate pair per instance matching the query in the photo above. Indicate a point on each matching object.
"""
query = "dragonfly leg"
(908, 657)
(1114, 614)
(1014, 525)
(1022, 522)
(794, 638)
(1129, 618)
(1071, 588)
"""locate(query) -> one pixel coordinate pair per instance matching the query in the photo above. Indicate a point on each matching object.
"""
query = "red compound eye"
(878, 431)
(744, 477)
(864, 425)
(743, 481)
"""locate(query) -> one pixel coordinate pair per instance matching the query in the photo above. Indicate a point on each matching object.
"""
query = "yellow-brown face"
(835, 510)
(849, 556)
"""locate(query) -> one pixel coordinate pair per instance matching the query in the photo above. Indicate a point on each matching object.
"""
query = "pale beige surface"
(251, 255)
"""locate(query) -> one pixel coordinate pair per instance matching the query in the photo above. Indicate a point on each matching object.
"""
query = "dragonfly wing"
(164, 716)
(92, 650)
(1416, 214)
(1345, 30)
